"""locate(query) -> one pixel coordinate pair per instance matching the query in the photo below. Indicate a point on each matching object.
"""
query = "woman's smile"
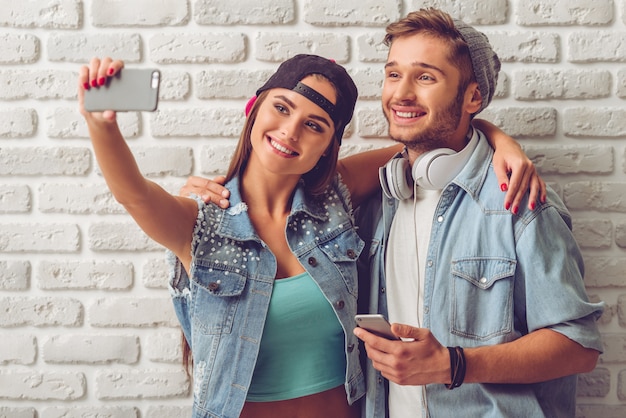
(281, 148)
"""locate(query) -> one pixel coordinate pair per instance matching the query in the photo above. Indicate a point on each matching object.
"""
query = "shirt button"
(340, 304)
(213, 286)
(312, 261)
(440, 219)
(430, 263)
(382, 290)
(350, 348)
(351, 253)
(483, 280)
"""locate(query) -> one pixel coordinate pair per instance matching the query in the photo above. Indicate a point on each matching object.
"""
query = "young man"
(490, 303)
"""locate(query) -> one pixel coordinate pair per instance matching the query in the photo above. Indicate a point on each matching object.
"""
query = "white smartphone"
(376, 324)
(131, 89)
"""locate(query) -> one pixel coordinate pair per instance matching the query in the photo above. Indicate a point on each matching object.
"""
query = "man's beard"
(437, 133)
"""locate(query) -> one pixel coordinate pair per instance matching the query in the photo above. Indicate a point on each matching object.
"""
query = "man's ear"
(473, 98)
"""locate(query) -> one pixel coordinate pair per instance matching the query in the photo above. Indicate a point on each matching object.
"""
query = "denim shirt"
(223, 303)
(490, 278)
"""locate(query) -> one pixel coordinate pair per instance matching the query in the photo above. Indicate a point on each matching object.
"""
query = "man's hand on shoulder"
(209, 190)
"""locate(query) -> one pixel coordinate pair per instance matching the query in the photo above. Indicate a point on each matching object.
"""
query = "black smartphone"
(376, 324)
(131, 89)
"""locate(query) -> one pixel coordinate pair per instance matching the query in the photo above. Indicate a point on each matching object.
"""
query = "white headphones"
(432, 170)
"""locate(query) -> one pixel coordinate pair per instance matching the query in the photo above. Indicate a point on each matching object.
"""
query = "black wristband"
(457, 367)
(453, 364)
(460, 376)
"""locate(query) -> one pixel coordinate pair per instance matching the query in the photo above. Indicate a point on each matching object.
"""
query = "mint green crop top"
(302, 349)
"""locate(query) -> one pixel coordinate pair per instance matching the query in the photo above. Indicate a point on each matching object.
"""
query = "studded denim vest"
(223, 303)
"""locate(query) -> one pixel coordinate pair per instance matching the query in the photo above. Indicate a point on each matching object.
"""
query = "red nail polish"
(504, 187)
(94, 83)
(111, 70)
(515, 210)
(507, 205)
(532, 205)
(101, 81)
(86, 86)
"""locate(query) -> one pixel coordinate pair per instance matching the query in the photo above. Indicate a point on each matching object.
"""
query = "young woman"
(265, 290)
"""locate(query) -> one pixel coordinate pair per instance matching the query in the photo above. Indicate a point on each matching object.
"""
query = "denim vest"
(223, 303)
(490, 278)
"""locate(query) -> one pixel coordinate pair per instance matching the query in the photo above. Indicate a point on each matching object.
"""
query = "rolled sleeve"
(551, 268)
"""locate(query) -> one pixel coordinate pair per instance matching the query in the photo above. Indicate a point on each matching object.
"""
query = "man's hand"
(208, 190)
(417, 360)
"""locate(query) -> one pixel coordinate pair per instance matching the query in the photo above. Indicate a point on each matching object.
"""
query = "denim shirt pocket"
(344, 251)
(482, 297)
(216, 294)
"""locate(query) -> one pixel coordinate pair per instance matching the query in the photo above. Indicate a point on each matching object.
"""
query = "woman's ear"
(329, 148)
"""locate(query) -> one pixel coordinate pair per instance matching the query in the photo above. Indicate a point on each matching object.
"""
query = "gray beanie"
(484, 60)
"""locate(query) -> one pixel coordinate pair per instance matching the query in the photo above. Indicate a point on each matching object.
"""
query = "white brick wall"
(86, 324)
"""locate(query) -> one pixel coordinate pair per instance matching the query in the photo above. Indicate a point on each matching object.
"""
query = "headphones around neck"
(432, 170)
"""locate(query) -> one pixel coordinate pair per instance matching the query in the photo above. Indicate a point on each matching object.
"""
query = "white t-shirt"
(404, 270)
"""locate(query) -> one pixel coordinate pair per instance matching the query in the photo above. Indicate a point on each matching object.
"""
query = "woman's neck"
(266, 192)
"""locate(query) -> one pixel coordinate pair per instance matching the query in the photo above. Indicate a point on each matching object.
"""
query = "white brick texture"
(87, 325)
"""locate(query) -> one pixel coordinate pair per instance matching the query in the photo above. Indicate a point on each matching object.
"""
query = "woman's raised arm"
(165, 218)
